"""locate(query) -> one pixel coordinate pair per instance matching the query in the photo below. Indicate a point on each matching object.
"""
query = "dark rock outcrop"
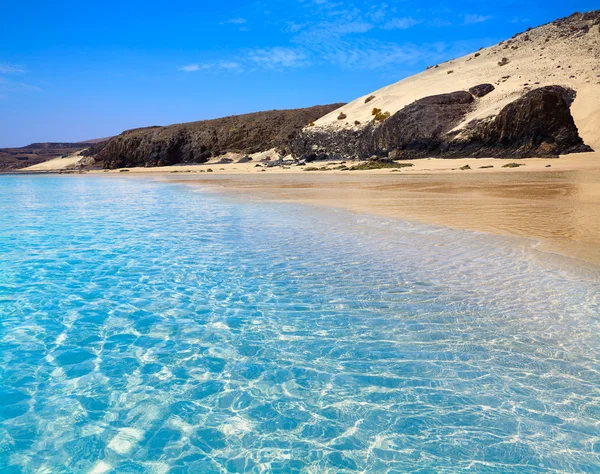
(314, 145)
(481, 90)
(196, 142)
(537, 124)
(421, 127)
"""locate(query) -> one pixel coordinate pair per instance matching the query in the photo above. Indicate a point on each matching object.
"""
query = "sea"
(152, 327)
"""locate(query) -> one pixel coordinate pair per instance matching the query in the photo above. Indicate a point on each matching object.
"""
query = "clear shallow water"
(147, 327)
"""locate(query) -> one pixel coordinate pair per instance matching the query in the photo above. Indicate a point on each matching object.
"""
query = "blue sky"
(76, 70)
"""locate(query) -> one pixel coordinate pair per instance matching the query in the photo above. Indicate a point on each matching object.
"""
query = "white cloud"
(229, 65)
(190, 68)
(400, 23)
(474, 19)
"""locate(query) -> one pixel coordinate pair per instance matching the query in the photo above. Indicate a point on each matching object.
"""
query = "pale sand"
(57, 164)
(557, 206)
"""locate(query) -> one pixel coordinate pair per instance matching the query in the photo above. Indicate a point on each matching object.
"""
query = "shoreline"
(557, 227)
(557, 206)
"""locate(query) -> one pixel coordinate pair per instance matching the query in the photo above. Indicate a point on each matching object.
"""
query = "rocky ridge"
(197, 142)
(18, 158)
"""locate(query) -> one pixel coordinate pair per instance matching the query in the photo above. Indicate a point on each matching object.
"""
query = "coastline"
(557, 206)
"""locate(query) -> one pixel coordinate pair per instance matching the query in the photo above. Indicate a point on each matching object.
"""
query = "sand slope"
(565, 52)
(58, 164)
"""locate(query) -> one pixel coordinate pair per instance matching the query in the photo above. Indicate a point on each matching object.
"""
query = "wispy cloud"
(344, 34)
(278, 57)
(6, 68)
(217, 65)
(235, 21)
(8, 86)
(190, 68)
(350, 27)
(474, 19)
(229, 65)
(400, 23)
(439, 22)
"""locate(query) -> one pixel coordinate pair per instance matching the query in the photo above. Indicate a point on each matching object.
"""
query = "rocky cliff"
(197, 142)
(538, 124)
(535, 94)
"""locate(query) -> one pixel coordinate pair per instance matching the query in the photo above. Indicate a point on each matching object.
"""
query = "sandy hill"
(563, 53)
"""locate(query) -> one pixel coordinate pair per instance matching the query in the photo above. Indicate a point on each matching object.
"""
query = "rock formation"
(537, 124)
(196, 142)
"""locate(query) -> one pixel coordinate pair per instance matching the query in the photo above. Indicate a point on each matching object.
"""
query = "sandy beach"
(554, 201)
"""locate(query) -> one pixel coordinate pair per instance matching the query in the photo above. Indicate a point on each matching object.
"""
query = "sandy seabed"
(557, 205)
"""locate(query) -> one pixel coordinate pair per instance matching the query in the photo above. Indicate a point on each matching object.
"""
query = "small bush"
(486, 167)
(381, 116)
(369, 99)
(512, 165)
(450, 71)
(375, 111)
(466, 167)
(378, 165)
(356, 122)
(477, 55)
(311, 124)
(342, 116)
(503, 62)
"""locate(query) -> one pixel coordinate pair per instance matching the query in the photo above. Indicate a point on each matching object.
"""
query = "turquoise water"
(150, 327)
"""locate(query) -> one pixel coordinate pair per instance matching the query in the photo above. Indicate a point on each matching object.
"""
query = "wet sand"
(560, 209)
(558, 206)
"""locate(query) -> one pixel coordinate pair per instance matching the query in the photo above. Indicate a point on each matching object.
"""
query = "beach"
(555, 202)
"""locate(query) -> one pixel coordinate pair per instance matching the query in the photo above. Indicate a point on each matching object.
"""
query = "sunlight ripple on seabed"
(145, 327)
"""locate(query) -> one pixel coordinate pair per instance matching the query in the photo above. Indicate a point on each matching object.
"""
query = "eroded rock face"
(422, 126)
(196, 142)
(538, 124)
(481, 90)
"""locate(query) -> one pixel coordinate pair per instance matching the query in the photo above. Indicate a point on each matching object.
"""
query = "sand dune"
(58, 164)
